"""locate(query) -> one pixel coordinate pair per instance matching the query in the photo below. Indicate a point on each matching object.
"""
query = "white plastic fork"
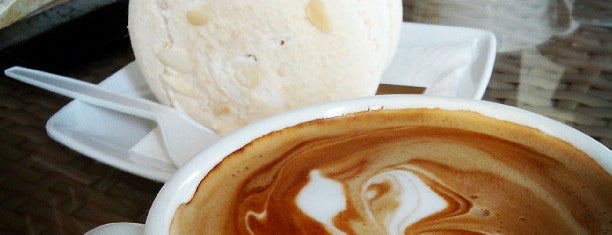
(182, 136)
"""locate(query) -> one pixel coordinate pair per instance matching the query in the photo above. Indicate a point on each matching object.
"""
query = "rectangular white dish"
(448, 61)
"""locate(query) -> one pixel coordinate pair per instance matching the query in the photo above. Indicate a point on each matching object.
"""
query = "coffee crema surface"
(412, 171)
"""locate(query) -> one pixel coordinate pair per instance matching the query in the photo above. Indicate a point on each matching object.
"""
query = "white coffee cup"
(183, 184)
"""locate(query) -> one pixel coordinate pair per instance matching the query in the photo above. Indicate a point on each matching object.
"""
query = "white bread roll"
(229, 63)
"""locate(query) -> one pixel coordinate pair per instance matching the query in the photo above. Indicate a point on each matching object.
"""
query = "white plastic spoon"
(183, 137)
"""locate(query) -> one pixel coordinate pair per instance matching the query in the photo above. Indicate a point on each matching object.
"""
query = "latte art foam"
(403, 171)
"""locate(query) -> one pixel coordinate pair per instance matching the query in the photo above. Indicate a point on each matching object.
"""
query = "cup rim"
(181, 187)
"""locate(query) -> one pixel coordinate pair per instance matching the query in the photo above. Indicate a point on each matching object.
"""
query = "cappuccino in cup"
(395, 165)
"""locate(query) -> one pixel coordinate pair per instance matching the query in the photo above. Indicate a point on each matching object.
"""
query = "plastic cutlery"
(182, 136)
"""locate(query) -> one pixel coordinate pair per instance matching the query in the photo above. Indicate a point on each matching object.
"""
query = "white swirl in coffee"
(402, 171)
(322, 199)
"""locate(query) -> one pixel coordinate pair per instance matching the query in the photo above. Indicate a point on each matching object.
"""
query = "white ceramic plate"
(458, 62)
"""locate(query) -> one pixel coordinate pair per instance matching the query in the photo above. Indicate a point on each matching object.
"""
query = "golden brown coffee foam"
(496, 177)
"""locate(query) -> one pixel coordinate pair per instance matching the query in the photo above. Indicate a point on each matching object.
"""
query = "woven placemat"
(567, 78)
(46, 188)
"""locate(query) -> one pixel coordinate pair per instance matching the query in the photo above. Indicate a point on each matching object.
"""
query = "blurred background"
(61, 34)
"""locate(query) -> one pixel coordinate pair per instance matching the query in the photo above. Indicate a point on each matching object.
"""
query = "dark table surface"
(46, 188)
